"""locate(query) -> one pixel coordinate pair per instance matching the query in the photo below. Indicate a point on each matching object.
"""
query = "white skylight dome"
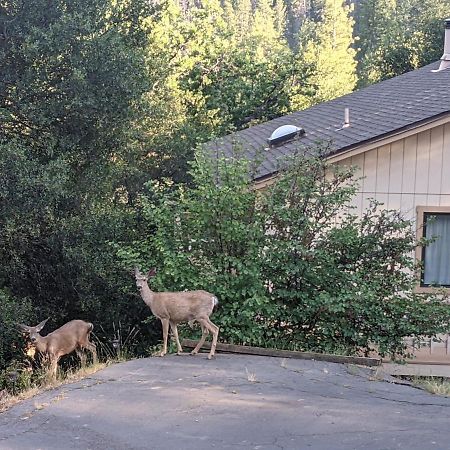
(285, 133)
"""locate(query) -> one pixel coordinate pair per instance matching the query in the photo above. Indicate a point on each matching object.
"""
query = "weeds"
(16, 377)
(434, 385)
(251, 377)
(119, 346)
(7, 399)
(24, 379)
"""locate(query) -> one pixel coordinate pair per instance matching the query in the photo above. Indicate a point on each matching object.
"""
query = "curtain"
(437, 254)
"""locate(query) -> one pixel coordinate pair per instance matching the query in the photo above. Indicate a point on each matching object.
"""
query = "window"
(435, 223)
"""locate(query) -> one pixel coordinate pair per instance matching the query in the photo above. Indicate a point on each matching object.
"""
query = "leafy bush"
(342, 281)
(292, 266)
(208, 237)
(12, 357)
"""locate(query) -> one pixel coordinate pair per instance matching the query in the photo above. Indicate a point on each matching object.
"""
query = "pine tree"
(234, 68)
(326, 59)
(398, 36)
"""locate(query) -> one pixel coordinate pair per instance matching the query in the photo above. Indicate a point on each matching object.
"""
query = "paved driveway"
(232, 402)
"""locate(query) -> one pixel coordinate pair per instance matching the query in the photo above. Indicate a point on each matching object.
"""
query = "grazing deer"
(175, 307)
(74, 335)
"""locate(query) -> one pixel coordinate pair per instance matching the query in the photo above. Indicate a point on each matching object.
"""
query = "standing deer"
(73, 335)
(175, 307)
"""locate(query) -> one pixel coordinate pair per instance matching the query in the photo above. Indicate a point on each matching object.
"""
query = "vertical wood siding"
(410, 172)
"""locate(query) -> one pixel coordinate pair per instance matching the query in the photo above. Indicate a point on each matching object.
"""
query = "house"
(398, 134)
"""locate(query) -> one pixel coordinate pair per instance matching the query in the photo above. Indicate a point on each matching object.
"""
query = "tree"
(398, 36)
(326, 59)
(230, 64)
(72, 81)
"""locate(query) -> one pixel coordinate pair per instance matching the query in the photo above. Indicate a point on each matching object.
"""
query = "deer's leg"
(165, 327)
(82, 356)
(215, 332)
(205, 333)
(173, 325)
(53, 368)
(87, 344)
(93, 349)
(47, 365)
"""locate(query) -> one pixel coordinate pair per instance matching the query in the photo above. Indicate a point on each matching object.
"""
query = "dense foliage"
(208, 236)
(72, 78)
(342, 281)
(396, 36)
(12, 311)
(292, 266)
(324, 50)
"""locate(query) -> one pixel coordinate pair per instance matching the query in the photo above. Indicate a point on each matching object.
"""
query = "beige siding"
(423, 162)
(370, 173)
(358, 162)
(396, 167)
(435, 166)
(408, 167)
(444, 200)
(383, 169)
(394, 200)
(445, 184)
(409, 172)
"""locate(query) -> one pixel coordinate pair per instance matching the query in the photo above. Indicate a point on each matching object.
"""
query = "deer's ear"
(41, 325)
(151, 272)
(23, 328)
(136, 272)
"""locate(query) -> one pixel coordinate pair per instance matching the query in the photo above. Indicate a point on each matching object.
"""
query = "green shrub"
(292, 266)
(342, 280)
(208, 237)
(12, 358)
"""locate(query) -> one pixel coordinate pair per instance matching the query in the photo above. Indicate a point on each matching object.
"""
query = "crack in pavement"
(367, 393)
(32, 429)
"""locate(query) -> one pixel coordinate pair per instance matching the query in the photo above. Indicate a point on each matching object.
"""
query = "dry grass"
(251, 377)
(79, 374)
(434, 385)
(7, 400)
(283, 363)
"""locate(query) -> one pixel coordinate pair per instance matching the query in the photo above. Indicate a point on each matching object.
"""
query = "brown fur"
(173, 308)
(72, 336)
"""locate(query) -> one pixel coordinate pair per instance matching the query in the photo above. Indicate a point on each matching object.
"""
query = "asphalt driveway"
(231, 402)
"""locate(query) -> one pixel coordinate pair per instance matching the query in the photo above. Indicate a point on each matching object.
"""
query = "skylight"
(285, 133)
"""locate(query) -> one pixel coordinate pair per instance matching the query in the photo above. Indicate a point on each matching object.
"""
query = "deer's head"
(33, 332)
(142, 279)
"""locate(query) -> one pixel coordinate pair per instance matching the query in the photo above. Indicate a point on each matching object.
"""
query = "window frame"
(421, 212)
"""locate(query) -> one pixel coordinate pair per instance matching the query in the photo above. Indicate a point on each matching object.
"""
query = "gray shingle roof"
(376, 111)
